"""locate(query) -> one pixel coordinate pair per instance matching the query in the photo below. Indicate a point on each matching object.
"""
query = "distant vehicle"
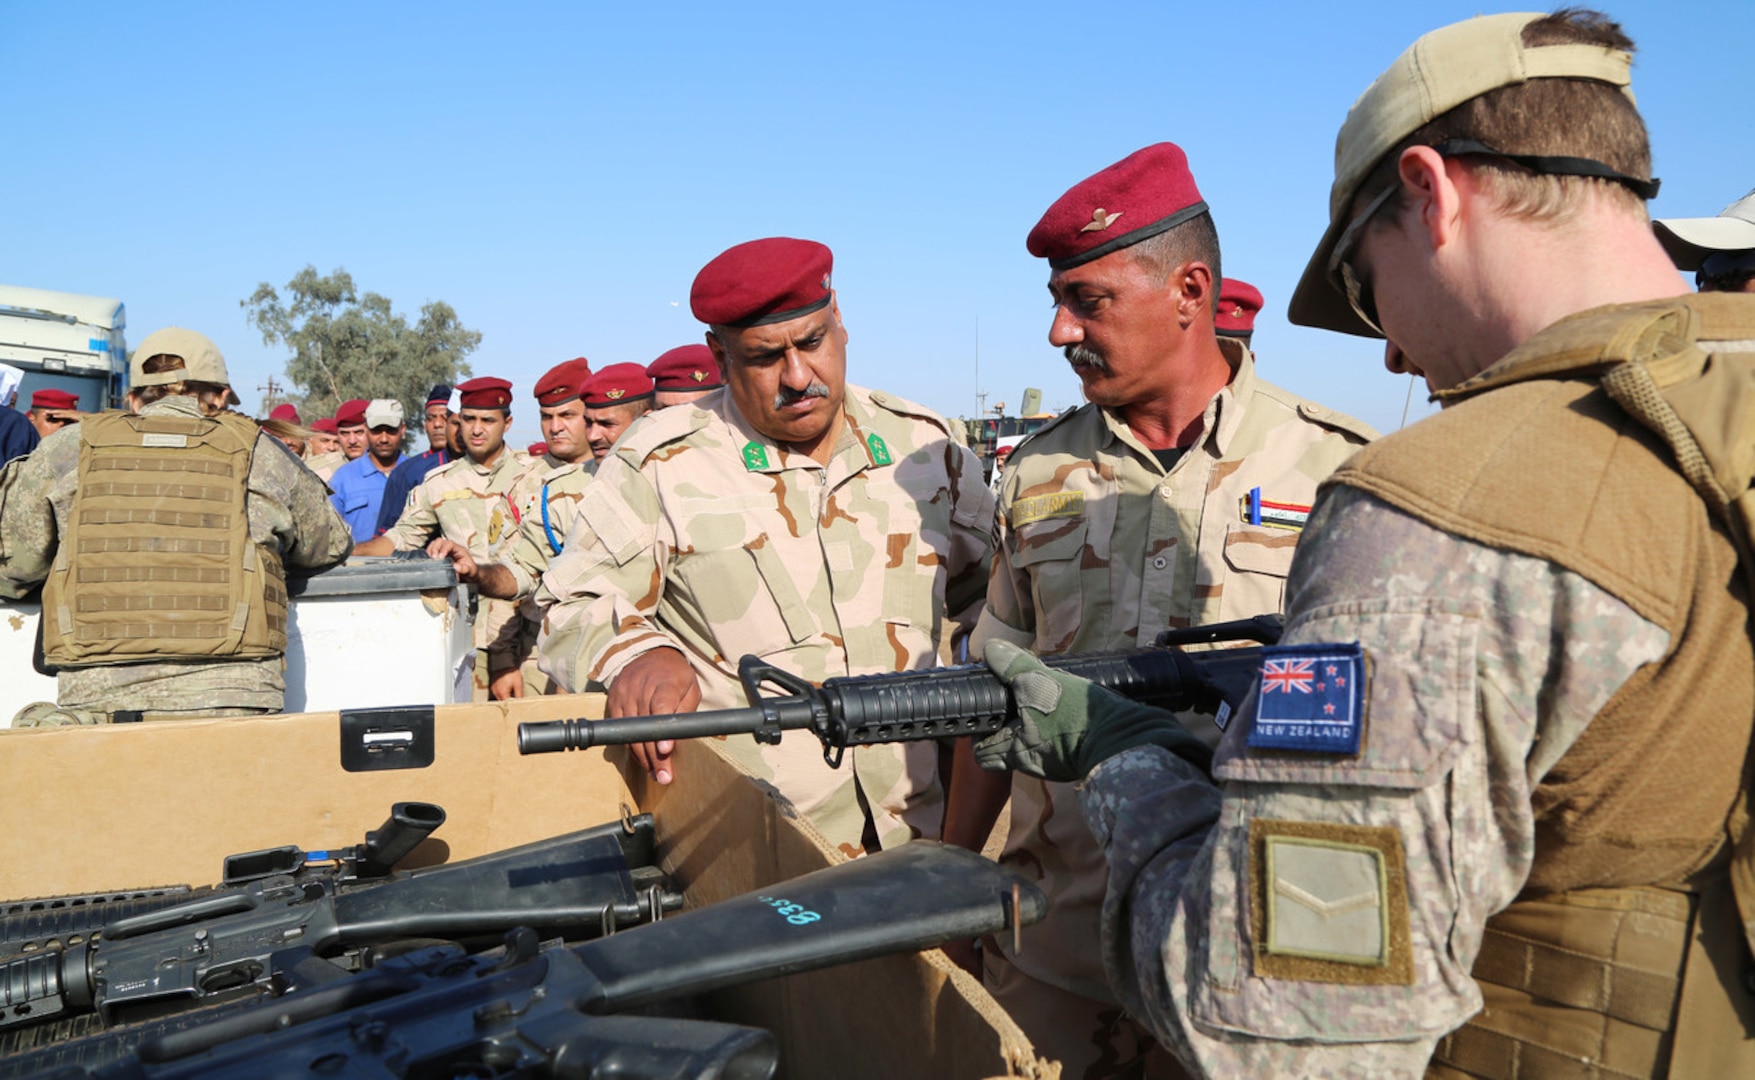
(985, 433)
(64, 341)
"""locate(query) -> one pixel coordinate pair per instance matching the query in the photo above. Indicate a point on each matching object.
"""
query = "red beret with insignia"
(687, 367)
(352, 413)
(617, 384)
(1238, 303)
(1146, 193)
(486, 392)
(289, 413)
(563, 383)
(54, 399)
(325, 426)
(763, 281)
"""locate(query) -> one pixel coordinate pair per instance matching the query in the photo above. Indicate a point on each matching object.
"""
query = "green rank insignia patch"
(755, 456)
(880, 453)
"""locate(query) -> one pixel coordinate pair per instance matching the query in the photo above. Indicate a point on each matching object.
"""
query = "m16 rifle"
(277, 933)
(934, 703)
(532, 1009)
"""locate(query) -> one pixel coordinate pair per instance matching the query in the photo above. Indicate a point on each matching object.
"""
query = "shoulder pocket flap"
(1048, 540)
(618, 530)
(1419, 701)
(1255, 550)
(974, 506)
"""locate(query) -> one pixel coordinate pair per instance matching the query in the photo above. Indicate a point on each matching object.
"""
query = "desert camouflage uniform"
(472, 505)
(700, 534)
(555, 486)
(1469, 703)
(324, 465)
(1101, 549)
(288, 508)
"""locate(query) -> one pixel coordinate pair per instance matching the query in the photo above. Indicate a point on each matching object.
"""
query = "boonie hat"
(686, 367)
(1148, 192)
(384, 412)
(1239, 301)
(563, 382)
(201, 359)
(1437, 73)
(763, 281)
(1690, 240)
(617, 384)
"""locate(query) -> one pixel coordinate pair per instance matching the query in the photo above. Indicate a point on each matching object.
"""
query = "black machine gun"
(271, 933)
(933, 703)
(534, 1009)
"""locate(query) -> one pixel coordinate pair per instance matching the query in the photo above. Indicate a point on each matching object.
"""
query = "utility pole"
(270, 395)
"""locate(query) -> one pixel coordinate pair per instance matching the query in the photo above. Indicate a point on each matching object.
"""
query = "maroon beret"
(325, 426)
(1238, 303)
(486, 392)
(54, 399)
(1148, 192)
(352, 413)
(617, 384)
(686, 367)
(563, 383)
(763, 281)
(288, 412)
(537, 449)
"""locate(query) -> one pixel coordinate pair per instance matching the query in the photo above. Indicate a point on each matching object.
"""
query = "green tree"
(350, 345)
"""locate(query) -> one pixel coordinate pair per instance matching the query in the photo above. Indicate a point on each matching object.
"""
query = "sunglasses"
(1340, 264)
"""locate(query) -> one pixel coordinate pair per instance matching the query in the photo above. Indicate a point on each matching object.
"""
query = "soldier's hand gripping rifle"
(933, 703)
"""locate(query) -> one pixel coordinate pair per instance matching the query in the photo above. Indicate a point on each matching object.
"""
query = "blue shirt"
(358, 487)
(404, 479)
(17, 437)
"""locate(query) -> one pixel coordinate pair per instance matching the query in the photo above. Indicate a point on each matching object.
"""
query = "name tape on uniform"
(1061, 504)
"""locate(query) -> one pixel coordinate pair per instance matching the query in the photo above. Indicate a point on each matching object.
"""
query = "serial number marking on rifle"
(795, 913)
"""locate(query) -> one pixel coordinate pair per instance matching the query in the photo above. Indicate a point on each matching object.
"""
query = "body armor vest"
(1624, 956)
(157, 562)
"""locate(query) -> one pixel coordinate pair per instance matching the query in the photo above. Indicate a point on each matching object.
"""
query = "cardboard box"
(153, 804)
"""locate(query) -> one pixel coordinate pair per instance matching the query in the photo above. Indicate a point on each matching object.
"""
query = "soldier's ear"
(717, 348)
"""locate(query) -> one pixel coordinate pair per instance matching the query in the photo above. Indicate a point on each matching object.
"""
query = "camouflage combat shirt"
(472, 505)
(700, 534)
(1101, 548)
(288, 508)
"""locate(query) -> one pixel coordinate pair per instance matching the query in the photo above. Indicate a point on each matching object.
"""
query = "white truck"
(64, 341)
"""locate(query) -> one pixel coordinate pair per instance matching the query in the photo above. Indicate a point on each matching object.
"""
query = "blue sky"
(559, 172)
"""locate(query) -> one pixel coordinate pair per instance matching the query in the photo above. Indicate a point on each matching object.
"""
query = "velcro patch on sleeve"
(1312, 698)
(1329, 903)
(1061, 504)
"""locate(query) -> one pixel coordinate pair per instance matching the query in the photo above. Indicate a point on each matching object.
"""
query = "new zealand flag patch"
(1312, 698)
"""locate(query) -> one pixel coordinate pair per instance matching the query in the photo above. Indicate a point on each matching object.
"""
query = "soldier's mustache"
(1086, 356)
(788, 396)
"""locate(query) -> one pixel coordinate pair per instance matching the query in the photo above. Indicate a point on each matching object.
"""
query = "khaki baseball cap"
(1690, 240)
(384, 412)
(201, 359)
(1437, 73)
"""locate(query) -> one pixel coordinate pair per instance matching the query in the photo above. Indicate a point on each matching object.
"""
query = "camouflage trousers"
(48, 714)
(1092, 1040)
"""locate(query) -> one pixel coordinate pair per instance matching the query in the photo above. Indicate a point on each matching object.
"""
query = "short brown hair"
(1544, 117)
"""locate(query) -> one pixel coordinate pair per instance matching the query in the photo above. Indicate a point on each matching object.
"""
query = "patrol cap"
(384, 412)
(686, 367)
(1437, 73)
(1690, 240)
(440, 394)
(563, 383)
(288, 412)
(763, 281)
(201, 359)
(1239, 301)
(1147, 192)
(486, 392)
(53, 399)
(352, 413)
(617, 384)
(324, 426)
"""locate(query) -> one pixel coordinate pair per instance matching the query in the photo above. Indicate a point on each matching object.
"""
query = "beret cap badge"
(1100, 220)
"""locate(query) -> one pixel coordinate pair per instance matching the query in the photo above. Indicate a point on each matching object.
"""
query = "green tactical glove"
(1067, 726)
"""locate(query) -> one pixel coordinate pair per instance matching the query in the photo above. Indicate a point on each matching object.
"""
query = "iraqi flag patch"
(1312, 698)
